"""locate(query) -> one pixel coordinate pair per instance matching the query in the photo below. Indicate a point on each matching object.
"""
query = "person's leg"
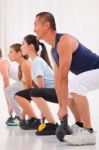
(78, 90)
(10, 108)
(9, 94)
(23, 98)
(74, 109)
(82, 105)
(41, 103)
(85, 82)
(49, 94)
(81, 85)
(44, 109)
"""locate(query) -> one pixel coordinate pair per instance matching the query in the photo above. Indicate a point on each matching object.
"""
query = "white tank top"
(13, 71)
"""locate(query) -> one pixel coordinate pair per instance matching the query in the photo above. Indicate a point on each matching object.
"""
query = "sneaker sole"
(25, 128)
(44, 133)
(75, 144)
(8, 124)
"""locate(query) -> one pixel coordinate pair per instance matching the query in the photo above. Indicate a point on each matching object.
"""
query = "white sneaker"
(75, 128)
(83, 137)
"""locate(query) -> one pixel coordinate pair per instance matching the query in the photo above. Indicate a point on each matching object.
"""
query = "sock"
(80, 124)
(90, 130)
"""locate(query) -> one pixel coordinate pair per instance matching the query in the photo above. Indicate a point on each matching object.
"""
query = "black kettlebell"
(63, 129)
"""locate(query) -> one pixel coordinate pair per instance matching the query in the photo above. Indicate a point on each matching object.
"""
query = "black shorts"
(49, 94)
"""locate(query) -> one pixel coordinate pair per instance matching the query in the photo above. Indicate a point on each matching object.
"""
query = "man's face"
(39, 28)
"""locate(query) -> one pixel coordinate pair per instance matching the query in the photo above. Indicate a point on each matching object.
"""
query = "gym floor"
(13, 138)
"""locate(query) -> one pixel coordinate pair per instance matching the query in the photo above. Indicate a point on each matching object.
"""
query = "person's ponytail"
(44, 54)
(32, 39)
(0, 53)
(19, 72)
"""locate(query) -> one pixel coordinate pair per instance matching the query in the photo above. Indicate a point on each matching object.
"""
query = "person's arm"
(38, 70)
(26, 73)
(56, 76)
(55, 68)
(65, 49)
(4, 69)
(40, 81)
(61, 81)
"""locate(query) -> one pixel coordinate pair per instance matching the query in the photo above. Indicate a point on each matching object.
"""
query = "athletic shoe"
(13, 121)
(46, 129)
(30, 124)
(75, 128)
(83, 137)
(22, 122)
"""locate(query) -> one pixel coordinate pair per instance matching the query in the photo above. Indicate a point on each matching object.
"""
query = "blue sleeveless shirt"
(83, 59)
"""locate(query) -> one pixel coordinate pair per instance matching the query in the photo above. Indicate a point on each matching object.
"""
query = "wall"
(76, 17)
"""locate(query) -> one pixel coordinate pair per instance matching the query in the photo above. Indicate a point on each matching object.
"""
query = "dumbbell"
(63, 129)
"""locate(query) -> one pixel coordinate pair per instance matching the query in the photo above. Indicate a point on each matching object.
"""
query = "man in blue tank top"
(70, 55)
